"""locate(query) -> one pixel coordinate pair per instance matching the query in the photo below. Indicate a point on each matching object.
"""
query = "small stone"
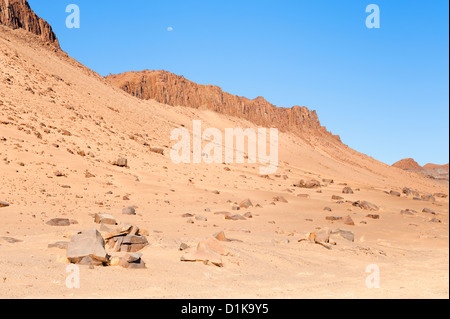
(347, 190)
(394, 193)
(248, 215)
(366, 205)
(247, 203)
(59, 245)
(280, 199)
(349, 235)
(336, 197)
(129, 211)
(428, 211)
(201, 218)
(373, 216)
(349, 221)
(235, 217)
(3, 204)
(183, 246)
(121, 162)
(59, 222)
(333, 218)
(107, 219)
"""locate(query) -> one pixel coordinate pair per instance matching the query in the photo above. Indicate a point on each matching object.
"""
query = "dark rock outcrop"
(174, 90)
(17, 14)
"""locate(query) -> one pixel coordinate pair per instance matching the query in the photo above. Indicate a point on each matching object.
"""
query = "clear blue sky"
(384, 91)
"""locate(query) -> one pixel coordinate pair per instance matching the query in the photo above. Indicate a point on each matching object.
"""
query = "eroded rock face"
(17, 14)
(174, 90)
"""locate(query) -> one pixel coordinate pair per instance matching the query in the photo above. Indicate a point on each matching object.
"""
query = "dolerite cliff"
(17, 14)
(174, 90)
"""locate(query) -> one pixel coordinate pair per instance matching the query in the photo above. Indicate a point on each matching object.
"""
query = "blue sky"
(384, 91)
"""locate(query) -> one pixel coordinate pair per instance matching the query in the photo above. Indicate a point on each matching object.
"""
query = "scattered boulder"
(156, 150)
(3, 204)
(208, 251)
(59, 245)
(220, 236)
(408, 212)
(309, 184)
(428, 211)
(349, 221)
(428, 198)
(347, 234)
(121, 162)
(373, 216)
(435, 220)
(303, 195)
(440, 195)
(347, 190)
(410, 193)
(366, 205)
(248, 215)
(126, 238)
(333, 218)
(10, 240)
(327, 181)
(201, 218)
(394, 193)
(321, 238)
(183, 246)
(327, 209)
(107, 219)
(85, 244)
(235, 217)
(61, 222)
(280, 199)
(129, 211)
(336, 197)
(247, 203)
(132, 261)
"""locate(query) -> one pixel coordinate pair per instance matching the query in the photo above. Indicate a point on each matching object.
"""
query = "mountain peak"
(17, 14)
(407, 163)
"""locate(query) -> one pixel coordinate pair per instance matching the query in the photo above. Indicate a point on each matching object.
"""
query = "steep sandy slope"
(62, 126)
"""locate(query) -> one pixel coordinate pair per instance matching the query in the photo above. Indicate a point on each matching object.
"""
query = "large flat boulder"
(88, 243)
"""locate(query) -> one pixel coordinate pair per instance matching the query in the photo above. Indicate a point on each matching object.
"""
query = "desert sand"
(62, 128)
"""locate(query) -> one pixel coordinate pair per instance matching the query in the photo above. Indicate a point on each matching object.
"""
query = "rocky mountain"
(17, 14)
(407, 164)
(175, 90)
(430, 170)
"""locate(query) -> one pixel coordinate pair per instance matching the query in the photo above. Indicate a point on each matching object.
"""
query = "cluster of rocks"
(209, 251)
(308, 184)
(327, 237)
(126, 238)
(366, 205)
(89, 247)
(347, 190)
